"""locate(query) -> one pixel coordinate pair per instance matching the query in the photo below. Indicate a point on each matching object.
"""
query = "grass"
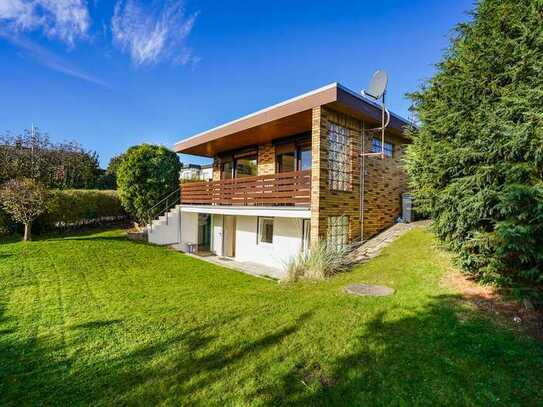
(96, 319)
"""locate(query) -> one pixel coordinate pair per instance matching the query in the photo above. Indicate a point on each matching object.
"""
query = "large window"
(376, 147)
(265, 230)
(227, 170)
(338, 231)
(339, 160)
(245, 167)
(304, 158)
(239, 166)
(293, 157)
(286, 161)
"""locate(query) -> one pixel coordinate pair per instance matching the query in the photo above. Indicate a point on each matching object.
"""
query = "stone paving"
(373, 247)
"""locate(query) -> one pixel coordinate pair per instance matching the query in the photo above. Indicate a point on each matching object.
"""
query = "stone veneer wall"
(216, 169)
(266, 159)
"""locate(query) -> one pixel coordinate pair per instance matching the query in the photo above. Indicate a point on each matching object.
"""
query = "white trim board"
(265, 211)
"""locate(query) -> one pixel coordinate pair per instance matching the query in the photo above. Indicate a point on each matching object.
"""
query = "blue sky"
(111, 74)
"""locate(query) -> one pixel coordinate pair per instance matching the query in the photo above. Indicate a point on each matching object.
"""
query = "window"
(245, 166)
(338, 231)
(293, 157)
(376, 147)
(286, 162)
(227, 170)
(339, 162)
(304, 158)
(265, 230)
(306, 233)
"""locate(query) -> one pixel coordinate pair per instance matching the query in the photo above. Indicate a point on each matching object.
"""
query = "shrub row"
(73, 209)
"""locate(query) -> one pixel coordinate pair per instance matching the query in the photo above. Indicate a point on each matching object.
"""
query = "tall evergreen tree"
(476, 162)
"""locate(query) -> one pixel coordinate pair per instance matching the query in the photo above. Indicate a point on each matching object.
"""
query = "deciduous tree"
(24, 199)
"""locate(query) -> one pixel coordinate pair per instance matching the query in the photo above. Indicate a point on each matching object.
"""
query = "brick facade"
(384, 180)
(325, 202)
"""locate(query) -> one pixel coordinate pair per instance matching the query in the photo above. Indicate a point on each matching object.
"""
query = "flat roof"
(286, 118)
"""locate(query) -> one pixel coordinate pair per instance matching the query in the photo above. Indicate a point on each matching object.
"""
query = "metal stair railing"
(163, 206)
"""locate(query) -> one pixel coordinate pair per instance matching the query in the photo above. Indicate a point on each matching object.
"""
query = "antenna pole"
(383, 127)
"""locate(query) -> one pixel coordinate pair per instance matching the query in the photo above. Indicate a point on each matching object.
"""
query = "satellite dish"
(378, 84)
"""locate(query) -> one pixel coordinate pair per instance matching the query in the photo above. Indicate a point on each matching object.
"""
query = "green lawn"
(96, 319)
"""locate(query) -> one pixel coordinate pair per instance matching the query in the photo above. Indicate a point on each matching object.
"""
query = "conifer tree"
(476, 162)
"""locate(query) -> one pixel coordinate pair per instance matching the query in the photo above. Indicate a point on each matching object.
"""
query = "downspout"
(362, 180)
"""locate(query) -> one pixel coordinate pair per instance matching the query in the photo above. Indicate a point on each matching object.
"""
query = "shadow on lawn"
(440, 354)
(444, 354)
(36, 372)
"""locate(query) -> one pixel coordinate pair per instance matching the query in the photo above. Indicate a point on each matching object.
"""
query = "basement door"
(229, 236)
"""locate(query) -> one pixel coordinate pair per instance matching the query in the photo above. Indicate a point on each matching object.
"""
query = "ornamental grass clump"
(320, 261)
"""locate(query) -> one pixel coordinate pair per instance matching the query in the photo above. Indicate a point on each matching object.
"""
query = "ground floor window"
(338, 231)
(306, 232)
(265, 230)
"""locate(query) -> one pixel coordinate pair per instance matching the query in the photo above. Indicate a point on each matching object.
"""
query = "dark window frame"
(376, 147)
(297, 149)
(258, 229)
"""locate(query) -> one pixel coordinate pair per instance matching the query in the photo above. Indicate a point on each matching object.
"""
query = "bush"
(7, 226)
(317, 263)
(476, 164)
(145, 174)
(73, 209)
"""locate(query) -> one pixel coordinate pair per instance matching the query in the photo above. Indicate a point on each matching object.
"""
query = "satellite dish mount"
(376, 91)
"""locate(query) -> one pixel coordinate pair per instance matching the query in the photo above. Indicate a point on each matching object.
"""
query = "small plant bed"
(98, 319)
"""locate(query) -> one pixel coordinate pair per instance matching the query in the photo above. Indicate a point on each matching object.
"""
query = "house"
(292, 174)
(196, 172)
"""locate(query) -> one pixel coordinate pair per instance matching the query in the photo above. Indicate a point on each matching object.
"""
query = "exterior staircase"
(164, 224)
(165, 229)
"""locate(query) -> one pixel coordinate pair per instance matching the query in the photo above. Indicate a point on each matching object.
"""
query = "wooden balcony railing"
(288, 188)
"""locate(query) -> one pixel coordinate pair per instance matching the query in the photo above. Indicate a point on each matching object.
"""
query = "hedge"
(76, 208)
(7, 226)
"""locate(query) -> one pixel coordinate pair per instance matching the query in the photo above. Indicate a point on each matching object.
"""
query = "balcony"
(282, 189)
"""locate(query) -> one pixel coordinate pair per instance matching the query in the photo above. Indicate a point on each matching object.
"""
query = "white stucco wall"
(189, 229)
(287, 241)
(216, 238)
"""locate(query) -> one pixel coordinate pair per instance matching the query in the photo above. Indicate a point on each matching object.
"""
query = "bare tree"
(24, 199)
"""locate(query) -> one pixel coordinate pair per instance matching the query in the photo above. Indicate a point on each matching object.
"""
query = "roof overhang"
(290, 117)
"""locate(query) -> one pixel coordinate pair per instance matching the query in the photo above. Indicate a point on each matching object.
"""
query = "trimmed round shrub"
(145, 175)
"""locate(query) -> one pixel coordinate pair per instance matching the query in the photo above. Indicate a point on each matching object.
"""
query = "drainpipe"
(362, 180)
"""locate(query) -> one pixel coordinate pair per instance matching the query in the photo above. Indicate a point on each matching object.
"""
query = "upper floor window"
(245, 167)
(304, 158)
(376, 147)
(243, 164)
(293, 157)
(286, 161)
(339, 160)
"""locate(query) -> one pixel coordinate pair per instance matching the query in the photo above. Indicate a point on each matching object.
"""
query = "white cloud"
(51, 60)
(66, 20)
(155, 33)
